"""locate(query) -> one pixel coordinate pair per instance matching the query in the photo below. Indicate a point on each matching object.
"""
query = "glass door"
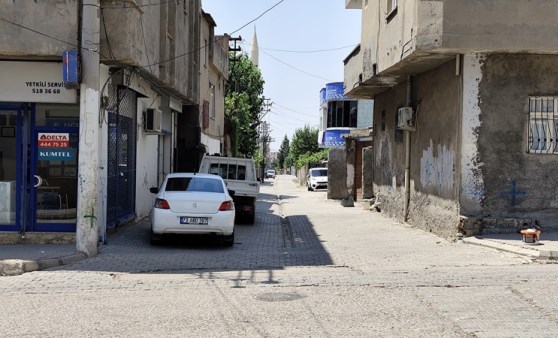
(12, 167)
(54, 178)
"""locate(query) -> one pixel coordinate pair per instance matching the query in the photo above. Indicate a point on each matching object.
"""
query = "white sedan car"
(189, 203)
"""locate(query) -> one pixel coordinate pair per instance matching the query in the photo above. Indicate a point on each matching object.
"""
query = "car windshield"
(194, 184)
(319, 172)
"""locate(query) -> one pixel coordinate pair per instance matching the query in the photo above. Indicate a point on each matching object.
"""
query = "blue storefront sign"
(335, 91)
(333, 137)
(56, 154)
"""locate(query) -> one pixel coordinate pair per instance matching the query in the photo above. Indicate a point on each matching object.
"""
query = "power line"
(291, 117)
(293, 110)
(297, 69)
(216, 40)
(152, 64)
(302, 51)
(124, 6)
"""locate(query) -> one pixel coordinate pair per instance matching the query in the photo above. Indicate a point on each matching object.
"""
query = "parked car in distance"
(316, 179)
(189, 203)
(270, 173)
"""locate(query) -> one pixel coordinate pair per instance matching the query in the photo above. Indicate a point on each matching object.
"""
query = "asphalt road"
(308, 267)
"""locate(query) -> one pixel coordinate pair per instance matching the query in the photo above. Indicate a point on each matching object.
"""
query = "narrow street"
(307, 267)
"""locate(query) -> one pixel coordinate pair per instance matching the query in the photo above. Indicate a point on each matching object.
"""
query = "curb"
(524, 251)
(14, 267)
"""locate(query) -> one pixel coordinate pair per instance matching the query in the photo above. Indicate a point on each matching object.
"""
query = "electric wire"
(300, 51)
(52, 37)
(293, 110)
(295, 68)
(216, 40)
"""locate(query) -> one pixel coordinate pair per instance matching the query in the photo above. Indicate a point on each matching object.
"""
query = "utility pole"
(89, 206)
(264, 132)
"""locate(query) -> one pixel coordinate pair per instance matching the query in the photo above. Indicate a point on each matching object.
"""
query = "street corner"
(14, 267)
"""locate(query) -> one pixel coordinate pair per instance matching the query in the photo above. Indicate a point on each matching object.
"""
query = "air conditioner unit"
(405, 120)
(153, 121)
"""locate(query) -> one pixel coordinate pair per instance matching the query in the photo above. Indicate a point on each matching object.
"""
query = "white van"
(316, 179)
(239, 175)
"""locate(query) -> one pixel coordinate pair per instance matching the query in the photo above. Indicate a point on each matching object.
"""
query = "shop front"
(39, 137)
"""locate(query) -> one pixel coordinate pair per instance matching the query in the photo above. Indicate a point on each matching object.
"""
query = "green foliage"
(314, 158)
(243, 104)
(304, 143)
(283, 153)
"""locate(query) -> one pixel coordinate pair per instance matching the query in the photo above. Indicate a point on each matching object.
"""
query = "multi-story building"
(214, 72)
(466, 104)
(345, 128)
(79, 153)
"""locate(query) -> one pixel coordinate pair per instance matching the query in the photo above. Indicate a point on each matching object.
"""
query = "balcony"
(353, 4)
(421, 35)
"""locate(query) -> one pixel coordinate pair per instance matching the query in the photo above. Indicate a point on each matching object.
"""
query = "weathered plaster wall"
(337, 174)
(434, 154)
(367, 172)
(350, 157)
(365, 111)
(501, 25)
(517, 184)
(472, 184)
(61, 21)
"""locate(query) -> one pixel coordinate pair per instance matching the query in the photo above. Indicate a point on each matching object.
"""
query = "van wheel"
(250, 219)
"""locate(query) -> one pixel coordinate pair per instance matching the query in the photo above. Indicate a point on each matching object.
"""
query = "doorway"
(38, 167)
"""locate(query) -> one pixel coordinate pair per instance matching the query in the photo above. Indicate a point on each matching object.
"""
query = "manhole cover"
(278, 297)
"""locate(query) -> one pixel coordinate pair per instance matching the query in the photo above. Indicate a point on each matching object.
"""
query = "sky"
(302, 44)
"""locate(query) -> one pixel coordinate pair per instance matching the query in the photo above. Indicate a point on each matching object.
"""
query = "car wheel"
(156, 239)
(250, 219)
(308, 186)
(228, 241)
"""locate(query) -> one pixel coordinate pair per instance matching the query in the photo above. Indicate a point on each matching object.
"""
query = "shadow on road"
(273, 242)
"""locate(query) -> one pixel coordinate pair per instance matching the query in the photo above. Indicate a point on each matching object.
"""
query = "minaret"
(255, 53)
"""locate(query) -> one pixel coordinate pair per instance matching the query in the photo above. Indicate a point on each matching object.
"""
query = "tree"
(243, 104)
(305, 142)
(283, 153)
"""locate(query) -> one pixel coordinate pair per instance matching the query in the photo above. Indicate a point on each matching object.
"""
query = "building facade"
(83, 157)
(214, 72)
(464, 116)
(345, 128)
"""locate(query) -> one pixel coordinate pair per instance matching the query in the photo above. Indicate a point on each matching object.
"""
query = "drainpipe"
(407, 156)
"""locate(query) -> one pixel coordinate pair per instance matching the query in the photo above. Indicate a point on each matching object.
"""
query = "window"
(205, 52)
(391, 9)
(543, 125)
(212, 100)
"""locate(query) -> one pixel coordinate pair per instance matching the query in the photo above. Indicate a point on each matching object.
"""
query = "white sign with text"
(23, 81)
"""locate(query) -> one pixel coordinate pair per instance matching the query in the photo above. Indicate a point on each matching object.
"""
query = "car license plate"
(193, 220)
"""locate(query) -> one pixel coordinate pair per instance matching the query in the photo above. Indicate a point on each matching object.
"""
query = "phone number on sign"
(45, 91)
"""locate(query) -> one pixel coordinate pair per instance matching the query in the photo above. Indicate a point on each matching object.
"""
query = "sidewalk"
(546, 249)
(20, 258)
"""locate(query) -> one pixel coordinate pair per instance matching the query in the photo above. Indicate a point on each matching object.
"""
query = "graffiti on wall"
(436, 168)
(513, 193)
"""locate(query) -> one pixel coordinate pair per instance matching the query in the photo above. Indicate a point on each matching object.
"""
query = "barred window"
(543, 125)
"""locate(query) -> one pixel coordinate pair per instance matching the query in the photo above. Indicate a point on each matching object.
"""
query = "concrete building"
(67, 165)
(345, 128)
(465, 113)
(214, 72)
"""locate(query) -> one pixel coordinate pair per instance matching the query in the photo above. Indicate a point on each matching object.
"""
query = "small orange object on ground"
(530, 236)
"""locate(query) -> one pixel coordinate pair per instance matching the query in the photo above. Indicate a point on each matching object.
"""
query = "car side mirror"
(154, 190)
(231, 192)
